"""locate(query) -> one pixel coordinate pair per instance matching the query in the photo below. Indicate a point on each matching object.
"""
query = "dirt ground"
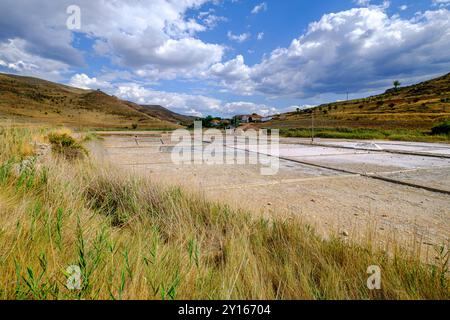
(334, 202)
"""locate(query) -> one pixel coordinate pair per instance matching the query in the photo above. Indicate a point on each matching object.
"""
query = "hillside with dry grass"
(419, 106)
(31, 100)
(167, 115)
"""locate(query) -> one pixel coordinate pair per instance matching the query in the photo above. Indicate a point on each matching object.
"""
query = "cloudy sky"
(226, 57)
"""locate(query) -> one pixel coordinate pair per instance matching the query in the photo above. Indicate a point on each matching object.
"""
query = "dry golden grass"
(417, 107)
(26, 150)
(133, 239)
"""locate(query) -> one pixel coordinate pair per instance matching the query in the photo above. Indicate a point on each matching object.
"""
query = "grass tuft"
(65, 145)
(442, 128)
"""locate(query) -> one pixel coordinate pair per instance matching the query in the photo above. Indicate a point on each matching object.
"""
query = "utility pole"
(312, 126)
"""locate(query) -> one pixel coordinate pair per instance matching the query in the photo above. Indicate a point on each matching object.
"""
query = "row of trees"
(214, 122)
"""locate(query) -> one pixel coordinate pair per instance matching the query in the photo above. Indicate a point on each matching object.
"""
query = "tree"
(397, 84)
(207, 121)
(298, 110)
(236, 121)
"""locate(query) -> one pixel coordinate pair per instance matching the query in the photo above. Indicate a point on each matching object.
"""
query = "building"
(266, 119)
(242, 118)
(250, 118)
(216, 122)
(255, 118)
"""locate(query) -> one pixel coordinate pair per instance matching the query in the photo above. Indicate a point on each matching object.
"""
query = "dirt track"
(330, 200)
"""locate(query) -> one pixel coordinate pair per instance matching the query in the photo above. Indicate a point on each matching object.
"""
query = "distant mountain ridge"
(166, 114)
(28, 99)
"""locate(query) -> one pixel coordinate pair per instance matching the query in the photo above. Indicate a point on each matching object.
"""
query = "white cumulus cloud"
(259, 8)
(15, 58)
(238, 37)
(353, 50)
(151, 35)
(83, 81)
(189, 104)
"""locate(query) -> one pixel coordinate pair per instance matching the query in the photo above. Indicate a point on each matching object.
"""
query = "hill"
(26, 99)
(419, 106)
(167, 115)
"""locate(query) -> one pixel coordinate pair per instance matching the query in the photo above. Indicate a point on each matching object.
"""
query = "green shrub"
(65, 145)
(442, 128)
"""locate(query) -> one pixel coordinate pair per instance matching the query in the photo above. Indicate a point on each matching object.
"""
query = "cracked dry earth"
(334, 202)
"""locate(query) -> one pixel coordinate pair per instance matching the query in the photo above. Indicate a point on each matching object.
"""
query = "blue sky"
(226, 57)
